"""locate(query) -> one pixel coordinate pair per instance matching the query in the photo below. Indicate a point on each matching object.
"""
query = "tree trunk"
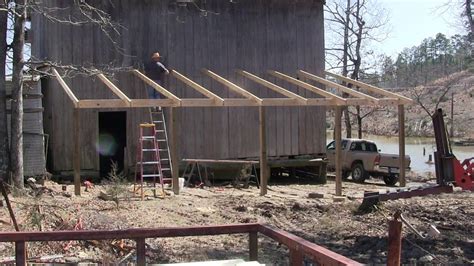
(359, 123)
(345, 70)
(17, 95)
(469, 17)
(4, 154)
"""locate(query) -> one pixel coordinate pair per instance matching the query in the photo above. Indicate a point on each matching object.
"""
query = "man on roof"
(155, 70)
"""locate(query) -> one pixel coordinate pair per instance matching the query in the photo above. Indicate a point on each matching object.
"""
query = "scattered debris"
(314, 195)
(338, 198)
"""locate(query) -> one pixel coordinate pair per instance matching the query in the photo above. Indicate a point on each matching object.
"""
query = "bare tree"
(4, 154)
(17, 94)
(87, 14)
(360, 25)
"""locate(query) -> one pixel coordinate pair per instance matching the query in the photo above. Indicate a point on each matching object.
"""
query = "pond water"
(414, 148)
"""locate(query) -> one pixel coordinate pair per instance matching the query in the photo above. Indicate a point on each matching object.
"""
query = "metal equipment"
(450, 171)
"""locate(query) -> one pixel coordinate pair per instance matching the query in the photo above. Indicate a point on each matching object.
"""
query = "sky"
(411, 21)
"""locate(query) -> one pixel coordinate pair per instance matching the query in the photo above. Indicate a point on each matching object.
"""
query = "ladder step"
(148, 137)
(159, 130)
(165, 169)
(151, 175)
(161, 140)
(148, 149)
(162, 149)
(150, 162)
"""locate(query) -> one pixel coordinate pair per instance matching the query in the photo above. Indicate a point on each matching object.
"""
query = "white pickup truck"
(361, 159)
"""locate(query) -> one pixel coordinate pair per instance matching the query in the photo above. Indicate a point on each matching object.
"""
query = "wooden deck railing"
(299, 248)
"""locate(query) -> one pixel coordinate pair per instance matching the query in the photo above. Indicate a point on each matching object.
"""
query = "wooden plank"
(77, 152)
(103, 103)
(239, 102)
(114, 89)
(20, 253)
(403, 99)
(337, 99)
(155, 102)
(401, 144)
(388, 101)
(263, 152)
(319, 102)
(174, 148)
(141, 251)
(65, 87)
(198, 102)
(359, 101)
(338, 139)
(337, 86)
(273, 87)
(232, 86)
(281, 102)
(253, 246)
(220, 161)
(218, 100)
(156, 86)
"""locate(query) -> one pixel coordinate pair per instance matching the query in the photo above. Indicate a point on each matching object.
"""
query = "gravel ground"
(337, 226)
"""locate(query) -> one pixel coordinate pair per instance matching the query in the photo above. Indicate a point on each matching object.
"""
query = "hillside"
(418, 123)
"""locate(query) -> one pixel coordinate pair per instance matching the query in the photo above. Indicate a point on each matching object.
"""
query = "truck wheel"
(359, 174)
(390, 180)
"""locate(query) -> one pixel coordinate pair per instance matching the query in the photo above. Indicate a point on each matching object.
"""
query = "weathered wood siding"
(255, 35)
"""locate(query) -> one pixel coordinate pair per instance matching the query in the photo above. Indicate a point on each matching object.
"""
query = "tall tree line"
(434, 58)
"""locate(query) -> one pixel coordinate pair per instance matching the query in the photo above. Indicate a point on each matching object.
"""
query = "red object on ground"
(463, 174)
(88, 185)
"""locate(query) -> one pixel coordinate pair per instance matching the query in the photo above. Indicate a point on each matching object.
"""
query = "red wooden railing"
(299, 248)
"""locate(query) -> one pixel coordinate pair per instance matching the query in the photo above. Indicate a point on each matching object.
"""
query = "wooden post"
(253, 246)
(173, 126)
(338, 139)
(263, 152)
(394, 242)
(401, 142)
(296, 257)
(77, 152)
(20, 253)
(141, 252)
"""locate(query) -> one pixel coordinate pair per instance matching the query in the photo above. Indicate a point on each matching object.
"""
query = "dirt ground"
(337, 226)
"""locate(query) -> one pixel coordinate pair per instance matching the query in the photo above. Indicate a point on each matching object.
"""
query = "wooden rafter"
(66, 88)
(156, 86)
(338, 86)
(218, 100)
(401, 98)
(115, 89)
(233, 87)
(330, 96)
(273, 87)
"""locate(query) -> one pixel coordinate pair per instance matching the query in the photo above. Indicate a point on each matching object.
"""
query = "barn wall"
(255, 35)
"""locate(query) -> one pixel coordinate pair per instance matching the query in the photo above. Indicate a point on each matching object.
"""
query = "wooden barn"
(220, 35)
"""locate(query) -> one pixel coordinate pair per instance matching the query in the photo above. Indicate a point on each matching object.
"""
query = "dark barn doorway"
(112, 141)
